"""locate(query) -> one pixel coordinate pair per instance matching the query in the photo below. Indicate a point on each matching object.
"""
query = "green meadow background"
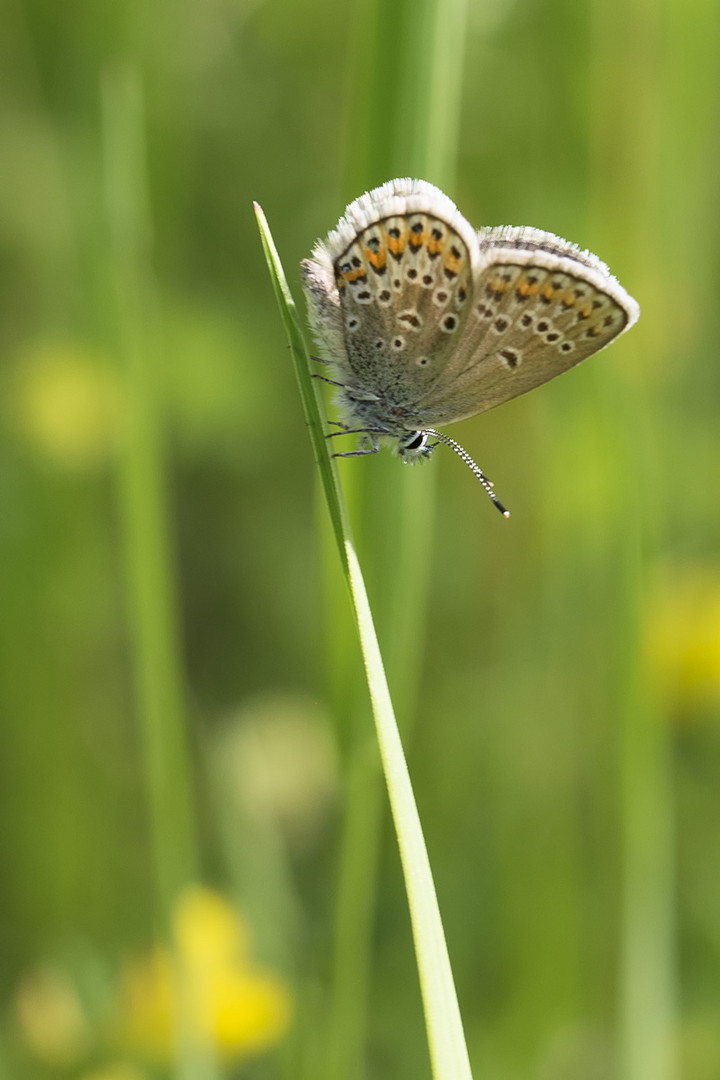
(198, 874)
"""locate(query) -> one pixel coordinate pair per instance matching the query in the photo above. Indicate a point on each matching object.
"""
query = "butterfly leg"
(371, 443)
(374, 449)
(345, 430)
(324, 378)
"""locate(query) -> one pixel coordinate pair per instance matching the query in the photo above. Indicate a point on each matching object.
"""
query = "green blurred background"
(179, 697)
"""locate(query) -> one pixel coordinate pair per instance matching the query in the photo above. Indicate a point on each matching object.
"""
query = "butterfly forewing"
(405, 289)
(540, 306)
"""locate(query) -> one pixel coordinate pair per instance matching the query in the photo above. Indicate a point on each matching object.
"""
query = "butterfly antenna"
(472, 466)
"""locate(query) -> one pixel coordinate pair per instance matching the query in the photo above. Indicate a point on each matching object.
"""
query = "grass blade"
(442, 1016)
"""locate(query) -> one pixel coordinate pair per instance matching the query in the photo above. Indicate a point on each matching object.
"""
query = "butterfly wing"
(390, 290)
(540, 306)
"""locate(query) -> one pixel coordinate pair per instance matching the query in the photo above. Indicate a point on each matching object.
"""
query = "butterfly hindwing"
(540, 306)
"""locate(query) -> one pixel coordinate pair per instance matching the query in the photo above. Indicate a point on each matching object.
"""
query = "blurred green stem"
(627, 165)
(152, 614)
(647, 962)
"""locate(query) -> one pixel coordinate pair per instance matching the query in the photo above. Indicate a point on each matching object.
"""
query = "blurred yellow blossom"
(68, 405)
(683, 638)
(232, 1003)
(51, 1018)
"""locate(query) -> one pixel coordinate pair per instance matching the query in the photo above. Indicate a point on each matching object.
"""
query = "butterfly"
(425, 321)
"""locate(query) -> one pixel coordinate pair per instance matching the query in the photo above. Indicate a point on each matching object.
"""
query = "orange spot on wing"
(417, 239)
(352, 276)
(434, 246)
(452, 263)
(396, 244)
(548, 291)
(526, 289)
(377, 258)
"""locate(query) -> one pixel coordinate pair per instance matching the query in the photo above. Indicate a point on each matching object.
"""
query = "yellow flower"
(68, 405)
(210, 990)
(208, 930)
(683, 638)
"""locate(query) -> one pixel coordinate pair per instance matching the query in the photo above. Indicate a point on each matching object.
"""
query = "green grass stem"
(445, 1033)
(627, 135)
